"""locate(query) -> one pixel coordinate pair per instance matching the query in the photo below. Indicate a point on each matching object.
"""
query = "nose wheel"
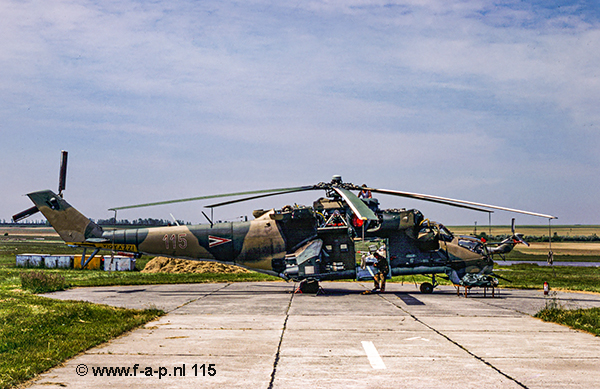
(426, 288)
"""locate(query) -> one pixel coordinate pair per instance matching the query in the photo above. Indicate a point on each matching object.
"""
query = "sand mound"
(172, 265)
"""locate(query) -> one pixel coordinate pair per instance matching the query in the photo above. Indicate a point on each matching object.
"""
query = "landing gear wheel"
(426, 288)
(309, 286)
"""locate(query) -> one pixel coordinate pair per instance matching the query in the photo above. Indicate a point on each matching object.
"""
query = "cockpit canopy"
(472, 244)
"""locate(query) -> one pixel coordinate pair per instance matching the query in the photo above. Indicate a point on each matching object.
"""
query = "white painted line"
(417, 338)
(374, 358)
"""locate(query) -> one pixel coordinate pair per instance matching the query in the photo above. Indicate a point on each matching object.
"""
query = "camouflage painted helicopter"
(306, 244)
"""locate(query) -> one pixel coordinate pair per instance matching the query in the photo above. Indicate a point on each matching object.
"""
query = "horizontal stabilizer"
(97, 240)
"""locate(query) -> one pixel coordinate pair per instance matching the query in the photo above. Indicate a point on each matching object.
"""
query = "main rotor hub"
(336, 182)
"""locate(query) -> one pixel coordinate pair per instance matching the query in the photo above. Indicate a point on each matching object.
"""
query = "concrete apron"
(260, 335)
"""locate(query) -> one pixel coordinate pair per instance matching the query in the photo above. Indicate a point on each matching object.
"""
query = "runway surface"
(261, 335)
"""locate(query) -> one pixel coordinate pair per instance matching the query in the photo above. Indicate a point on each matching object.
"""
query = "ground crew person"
(382, 269)
(373, 259)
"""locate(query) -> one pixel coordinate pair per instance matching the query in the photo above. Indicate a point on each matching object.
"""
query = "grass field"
(37, 333)
(27, 241)
(528, 276)
(582, 319)
(539, 230)
(562, 248)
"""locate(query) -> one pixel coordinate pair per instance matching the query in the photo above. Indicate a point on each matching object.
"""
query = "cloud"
(458, 96)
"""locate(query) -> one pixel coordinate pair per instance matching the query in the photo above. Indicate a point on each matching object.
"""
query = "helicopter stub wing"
(357, 206)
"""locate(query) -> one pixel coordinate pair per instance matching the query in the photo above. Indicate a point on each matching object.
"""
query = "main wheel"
(309, 286)
(426, 288)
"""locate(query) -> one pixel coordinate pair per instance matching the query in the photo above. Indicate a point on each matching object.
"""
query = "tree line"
(147, 222)
(544, 238)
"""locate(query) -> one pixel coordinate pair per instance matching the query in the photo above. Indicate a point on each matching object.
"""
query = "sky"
(489, 101)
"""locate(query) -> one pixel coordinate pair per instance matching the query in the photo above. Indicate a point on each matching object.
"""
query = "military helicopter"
(305, 244)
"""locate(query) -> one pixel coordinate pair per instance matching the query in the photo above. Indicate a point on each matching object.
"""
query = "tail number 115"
(175, 240)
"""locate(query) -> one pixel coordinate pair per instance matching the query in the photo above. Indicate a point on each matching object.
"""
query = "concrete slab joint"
(261, 335)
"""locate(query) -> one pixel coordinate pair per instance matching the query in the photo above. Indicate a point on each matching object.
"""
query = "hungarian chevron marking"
(216, 240)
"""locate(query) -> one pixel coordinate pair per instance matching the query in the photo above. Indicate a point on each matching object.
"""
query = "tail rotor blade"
(519, 238)
(26, 213)
(62, 179)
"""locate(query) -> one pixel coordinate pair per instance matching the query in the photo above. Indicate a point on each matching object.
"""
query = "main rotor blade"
(359, 208)
(458, 203)
(300, 189)
(211, 197)
(385, 191)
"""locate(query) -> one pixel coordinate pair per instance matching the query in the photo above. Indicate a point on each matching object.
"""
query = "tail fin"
(71, 225)
(507, 245)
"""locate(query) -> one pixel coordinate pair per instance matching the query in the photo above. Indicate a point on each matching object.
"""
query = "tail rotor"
(507, 245)
(517, 237)
(62, 184)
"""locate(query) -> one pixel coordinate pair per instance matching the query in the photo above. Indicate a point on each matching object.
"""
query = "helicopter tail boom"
(69, 223)
(508, 244)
